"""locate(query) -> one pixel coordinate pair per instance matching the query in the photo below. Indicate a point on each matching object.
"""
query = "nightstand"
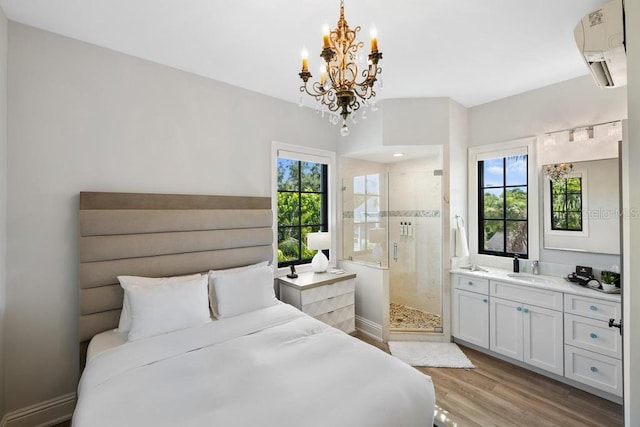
(328, 297)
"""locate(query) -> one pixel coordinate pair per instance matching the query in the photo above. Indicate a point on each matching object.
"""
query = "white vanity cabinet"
(526, 324)
(471, 310)
(593, 350)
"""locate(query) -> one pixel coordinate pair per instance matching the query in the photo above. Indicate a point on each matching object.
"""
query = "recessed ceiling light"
(398, 154)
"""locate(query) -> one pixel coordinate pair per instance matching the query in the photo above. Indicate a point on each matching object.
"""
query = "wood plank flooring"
(497, 393)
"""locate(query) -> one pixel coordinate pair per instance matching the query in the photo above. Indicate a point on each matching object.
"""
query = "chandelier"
(555, 172)
(338, 89)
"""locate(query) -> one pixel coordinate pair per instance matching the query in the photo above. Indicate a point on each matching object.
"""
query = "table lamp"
(319, 241)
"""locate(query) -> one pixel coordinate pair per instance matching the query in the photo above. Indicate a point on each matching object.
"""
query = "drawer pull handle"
(593, 369)
(484, 300)
(593, 308)
(470, 283)
(519, 308)
(592, 335)
(526, 310)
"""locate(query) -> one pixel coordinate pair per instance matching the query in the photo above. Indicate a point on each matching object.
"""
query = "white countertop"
(539, 281)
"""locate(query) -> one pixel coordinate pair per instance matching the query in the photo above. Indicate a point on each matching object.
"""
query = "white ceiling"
(472, 51)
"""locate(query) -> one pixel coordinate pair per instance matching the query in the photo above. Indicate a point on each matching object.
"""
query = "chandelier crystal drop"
(338, 89)
(560, 171)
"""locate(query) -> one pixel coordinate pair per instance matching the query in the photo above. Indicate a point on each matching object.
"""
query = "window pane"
(574, 221)
(311, 205)
(288, 209)
(517, 203)
(517, 237)
(516, 170)
(358, 185)
(360, 208)
(558, 203)
(574, 202)
(493, 172)
(288, 175)
(288, 244)
(494, 236)
(559, 221)
(574, 185)
(559, 186)
(373, 184)
(311, 176)
(493, 204)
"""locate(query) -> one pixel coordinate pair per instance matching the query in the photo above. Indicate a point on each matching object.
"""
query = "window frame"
(565, 194)
(324, 201)
(577, 172)
(481, 188)
(305, 154)
(489, 151)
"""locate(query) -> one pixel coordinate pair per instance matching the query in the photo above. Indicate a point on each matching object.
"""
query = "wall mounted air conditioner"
(600, 38)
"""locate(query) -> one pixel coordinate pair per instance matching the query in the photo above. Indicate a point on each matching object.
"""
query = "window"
(503, 206)
(566, 204)
(366, 212)
(302, 192)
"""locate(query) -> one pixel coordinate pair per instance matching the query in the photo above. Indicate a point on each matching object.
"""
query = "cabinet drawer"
(593, 369)
(337, 317)
(594, 335)
(592, 307)
(330, 304)
(527, 295)
(327, 291)
(472, 284)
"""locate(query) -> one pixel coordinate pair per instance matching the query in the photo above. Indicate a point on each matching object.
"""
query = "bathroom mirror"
(581, 208)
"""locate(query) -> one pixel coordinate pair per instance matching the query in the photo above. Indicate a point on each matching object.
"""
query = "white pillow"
(215, 273)
(167, 307)
(128, 281)
(244, 291)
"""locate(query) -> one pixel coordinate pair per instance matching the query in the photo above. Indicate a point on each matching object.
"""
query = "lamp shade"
(320, 240)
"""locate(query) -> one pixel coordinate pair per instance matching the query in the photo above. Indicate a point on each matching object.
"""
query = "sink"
(531, 278)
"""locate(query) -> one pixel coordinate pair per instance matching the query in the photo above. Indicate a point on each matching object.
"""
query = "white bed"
(272, 367)
(171, 346)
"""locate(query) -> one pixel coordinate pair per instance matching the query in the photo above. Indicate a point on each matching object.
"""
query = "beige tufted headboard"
(159, 235)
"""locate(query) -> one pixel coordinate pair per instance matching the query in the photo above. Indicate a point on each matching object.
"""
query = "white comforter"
(272, 367)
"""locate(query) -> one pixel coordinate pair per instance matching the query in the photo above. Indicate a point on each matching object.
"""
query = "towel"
(462, 248)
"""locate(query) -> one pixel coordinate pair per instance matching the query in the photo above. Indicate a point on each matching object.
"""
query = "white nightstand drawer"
(595, 370)
(528, 295)
(329, 304)
(594, 335)
(338, 316)
(323, 292)
(591, 307)
(472, 284)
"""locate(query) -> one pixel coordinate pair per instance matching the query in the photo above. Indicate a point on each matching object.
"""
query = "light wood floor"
(497, 393)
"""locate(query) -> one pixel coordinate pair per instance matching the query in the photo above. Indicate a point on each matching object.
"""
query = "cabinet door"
(543, 343)
(505, 320)
(471, 317)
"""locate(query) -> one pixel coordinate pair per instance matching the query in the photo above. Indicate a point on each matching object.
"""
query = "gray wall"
(3, 196)
(632, 285)
(87, 118)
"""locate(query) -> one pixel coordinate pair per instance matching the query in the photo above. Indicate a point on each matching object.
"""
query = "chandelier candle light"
(555, 172)
(338, 88)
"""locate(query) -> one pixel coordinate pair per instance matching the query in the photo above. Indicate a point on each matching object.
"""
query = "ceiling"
(471, 51)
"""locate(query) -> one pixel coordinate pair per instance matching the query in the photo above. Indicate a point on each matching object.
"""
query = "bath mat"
(430, 354)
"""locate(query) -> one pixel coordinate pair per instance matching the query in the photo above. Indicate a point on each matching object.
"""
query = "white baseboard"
(42, 414)
(369, 328)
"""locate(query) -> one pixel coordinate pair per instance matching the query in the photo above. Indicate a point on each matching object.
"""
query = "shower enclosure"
(391, 220)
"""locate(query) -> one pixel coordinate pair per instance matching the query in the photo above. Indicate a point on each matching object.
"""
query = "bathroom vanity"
(542, 323)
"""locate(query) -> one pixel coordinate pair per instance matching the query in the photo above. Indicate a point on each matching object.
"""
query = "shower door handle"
(395, 252)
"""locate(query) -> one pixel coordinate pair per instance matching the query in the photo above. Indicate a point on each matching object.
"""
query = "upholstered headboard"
(159, 235)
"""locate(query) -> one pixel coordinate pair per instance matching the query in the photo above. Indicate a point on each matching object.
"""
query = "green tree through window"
(566, 204)
(302, 208)
(502, 207)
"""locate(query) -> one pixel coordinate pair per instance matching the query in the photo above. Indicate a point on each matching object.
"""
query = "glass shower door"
(415, 251)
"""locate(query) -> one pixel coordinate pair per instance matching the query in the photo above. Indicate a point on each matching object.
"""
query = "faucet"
(535, 267)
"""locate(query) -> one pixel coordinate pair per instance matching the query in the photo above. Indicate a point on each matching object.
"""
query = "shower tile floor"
(403, 317)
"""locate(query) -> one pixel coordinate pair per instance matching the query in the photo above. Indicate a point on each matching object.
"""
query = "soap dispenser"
(516, 264)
